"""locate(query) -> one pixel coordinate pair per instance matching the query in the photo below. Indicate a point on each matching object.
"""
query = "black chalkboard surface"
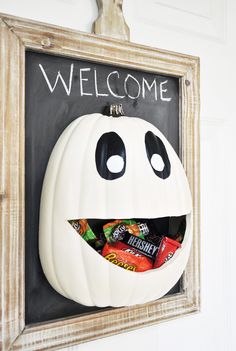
(58, 90)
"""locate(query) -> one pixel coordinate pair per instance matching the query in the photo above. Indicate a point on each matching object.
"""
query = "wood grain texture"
(110, 21)
(11, 175)
(18, 35)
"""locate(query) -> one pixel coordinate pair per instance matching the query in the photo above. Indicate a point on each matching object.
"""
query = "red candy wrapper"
(126, 257)
(166, 251)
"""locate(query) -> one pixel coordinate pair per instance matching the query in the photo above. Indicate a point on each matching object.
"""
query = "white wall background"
(204, 28)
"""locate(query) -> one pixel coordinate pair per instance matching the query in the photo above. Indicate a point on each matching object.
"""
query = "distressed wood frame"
(18, 35)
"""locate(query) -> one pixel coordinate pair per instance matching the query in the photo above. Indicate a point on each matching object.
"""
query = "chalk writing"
(59, 76)
(109, 87)
(149, 87)
(83, 80)
(163, 91)
(129, 86)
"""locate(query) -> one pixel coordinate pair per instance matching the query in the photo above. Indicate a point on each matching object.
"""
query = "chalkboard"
(58, 90)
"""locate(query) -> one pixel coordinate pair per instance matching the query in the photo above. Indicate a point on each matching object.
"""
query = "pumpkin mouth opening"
(173, 227)
(151, 241)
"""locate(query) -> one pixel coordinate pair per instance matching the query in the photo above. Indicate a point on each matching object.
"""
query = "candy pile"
(129, 244)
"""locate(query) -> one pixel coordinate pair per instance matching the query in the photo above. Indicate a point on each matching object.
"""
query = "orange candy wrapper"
(126, 257)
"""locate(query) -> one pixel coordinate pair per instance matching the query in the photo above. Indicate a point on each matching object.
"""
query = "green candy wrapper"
(83, 229)
(114, 231)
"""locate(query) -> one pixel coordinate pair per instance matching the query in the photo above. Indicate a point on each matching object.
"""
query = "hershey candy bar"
(145, 247)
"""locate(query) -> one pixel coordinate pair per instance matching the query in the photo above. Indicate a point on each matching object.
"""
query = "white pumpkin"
(126, 178)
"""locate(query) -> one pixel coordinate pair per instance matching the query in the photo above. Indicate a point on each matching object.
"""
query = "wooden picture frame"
(17, 36)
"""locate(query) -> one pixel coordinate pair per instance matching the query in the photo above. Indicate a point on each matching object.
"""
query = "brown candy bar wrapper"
(145, 247)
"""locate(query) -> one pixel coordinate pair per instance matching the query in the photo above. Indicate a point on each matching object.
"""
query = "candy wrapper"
(166, 251)
(143, 227)
(145, 247)
(84, 230)
(128, 244)
(114, 231)
(126, 257)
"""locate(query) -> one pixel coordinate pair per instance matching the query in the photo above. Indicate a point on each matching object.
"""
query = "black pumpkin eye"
(157, 155)
(110, 156)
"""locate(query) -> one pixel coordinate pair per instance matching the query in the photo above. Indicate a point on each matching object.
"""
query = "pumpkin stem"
(116, 110)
